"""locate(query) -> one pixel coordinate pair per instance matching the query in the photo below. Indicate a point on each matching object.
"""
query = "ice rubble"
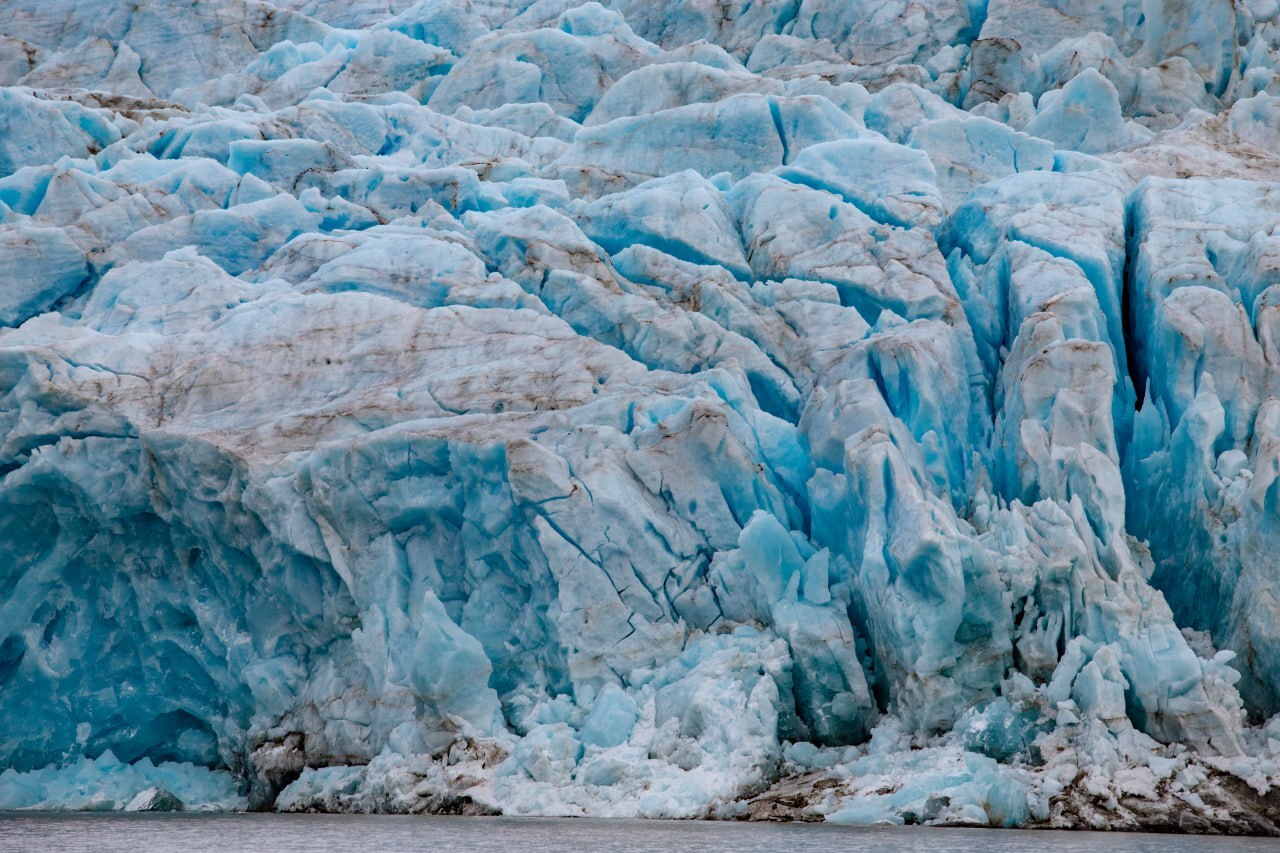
(811, 409)
(105, 783)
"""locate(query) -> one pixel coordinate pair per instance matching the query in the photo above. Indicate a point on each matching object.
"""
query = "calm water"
(270, 833)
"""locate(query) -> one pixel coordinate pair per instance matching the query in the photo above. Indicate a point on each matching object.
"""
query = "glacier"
(789, 410)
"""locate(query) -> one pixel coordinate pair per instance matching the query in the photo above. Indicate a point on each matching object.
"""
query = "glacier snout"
(777, 410)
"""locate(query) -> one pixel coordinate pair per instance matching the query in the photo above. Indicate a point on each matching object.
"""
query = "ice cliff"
(810, 409)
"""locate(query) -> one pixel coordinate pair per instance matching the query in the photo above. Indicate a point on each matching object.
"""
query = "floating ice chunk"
(155, 800)
(932, 786)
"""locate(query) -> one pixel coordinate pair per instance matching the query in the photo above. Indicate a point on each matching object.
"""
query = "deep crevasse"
(661, 409)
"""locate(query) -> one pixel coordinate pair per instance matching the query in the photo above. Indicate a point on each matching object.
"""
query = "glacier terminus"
(851, 410)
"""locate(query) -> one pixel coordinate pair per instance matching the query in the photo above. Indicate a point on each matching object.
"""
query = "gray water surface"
(267, 833)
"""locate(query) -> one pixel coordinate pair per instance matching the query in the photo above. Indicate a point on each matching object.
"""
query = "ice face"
(640, 408)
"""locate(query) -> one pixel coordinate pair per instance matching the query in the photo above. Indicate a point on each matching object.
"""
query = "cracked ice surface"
(810, 409)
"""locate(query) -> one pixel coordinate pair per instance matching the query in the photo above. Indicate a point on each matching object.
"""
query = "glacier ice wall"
(622, 409)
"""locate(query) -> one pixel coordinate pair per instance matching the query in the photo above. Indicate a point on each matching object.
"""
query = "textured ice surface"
(105, 783)
(833, 409)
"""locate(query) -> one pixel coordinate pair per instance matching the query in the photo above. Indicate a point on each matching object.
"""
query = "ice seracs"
(777, 410)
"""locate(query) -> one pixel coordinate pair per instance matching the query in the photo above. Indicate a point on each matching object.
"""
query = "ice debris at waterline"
(794, 409)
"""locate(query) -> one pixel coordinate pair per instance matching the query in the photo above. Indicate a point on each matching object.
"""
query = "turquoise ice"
(630, 409)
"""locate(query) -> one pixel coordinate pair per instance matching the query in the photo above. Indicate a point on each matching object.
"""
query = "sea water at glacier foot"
(186, 833)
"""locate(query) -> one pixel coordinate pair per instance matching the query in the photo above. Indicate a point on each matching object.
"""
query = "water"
(268, 833)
